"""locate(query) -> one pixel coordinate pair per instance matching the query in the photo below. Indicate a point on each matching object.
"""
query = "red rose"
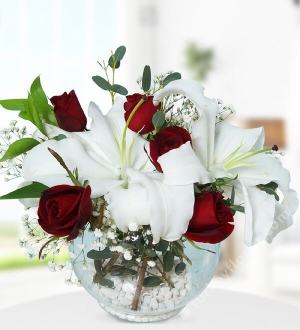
(142, 119)
(64, 210)
(68, 112)
(210, 221)
(167, 139)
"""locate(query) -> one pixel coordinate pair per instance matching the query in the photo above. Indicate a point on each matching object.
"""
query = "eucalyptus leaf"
(168, 261)
(107, 283)
(180, 268)
(123, 272)
(158, 119)
(113, 63)
(238, 208)
(100, 255)
(102, 83)
(33, 190)
(119, 53)
(151, 281)
(128, 246)
(19, 147)
(162, 245)
(150, 253)
(146, 79)
(171, 77)
(98, 266)
(120, 89)
(129, 263)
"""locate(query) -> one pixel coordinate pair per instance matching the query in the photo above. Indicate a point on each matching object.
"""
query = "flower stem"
(125, 131)
(139, 286)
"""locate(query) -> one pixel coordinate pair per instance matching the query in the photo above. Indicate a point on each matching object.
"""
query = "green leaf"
(232, 195)
(271, 185)
(24, 115)
(107, 283)
(150, 253)
(120, 89)
(158, 119)
(102, 83)
(100, 255)
(37, 92)
(180, 268)
(168, 261)
(151, 281)
(146, 80)
(123, 272)
(32, 191)
(98, 266)
(128, 246)
(119, 53)
(224, 181)
(111, 63)
(14, 104)
(35, 118)
(59, 137)
(19, 147)
(238, 208)
(162, 245)
(129, 263)
(171, 77)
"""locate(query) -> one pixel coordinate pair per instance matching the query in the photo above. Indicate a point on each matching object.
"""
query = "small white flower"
(68, 265)
(68, 281)
(59, 267)
(22, 242)
(138, 260)
(81, 246)
(111, 235)
(113, 226)
(148, 232)
(95, 214)
(127, 238)
(127, 255)
(77, 282)
(72, 255)
(13, 123)
(84, 266)
(120, 249)
(113, 248)
(133, 226)
(51, 266)
(151, 263)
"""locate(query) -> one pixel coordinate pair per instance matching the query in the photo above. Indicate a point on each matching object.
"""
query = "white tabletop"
(214, 309)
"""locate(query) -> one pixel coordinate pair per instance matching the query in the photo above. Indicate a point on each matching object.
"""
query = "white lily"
(224, 150)
(120, 171)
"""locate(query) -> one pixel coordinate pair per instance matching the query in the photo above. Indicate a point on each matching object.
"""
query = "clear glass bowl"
(163, 302)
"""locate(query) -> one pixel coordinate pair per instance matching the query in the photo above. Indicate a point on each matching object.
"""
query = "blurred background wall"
(246, 53)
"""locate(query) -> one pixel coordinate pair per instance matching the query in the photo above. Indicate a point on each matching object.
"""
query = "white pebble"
(168, 295)
(110, 293)
(188, 286)
(165, 289)
(183, 292)
(161, 306)
(169, 303)
(175, 292)
(153, 303)
(128, 287)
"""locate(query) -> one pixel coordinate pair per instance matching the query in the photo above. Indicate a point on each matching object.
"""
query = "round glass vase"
(155, 303)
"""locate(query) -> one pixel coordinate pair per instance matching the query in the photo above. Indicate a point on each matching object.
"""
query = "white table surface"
(214, 309)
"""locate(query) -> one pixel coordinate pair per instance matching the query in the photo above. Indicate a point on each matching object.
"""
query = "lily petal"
(181, 166)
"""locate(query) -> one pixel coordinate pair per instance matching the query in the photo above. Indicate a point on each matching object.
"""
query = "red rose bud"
(68, 112)
(210, 221)
(142, 119)
(65, 210)
(167, 139)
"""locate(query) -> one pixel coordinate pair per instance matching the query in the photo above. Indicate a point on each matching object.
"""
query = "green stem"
(123, 156)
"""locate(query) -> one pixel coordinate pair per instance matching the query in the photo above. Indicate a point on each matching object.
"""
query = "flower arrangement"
(162, 169)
